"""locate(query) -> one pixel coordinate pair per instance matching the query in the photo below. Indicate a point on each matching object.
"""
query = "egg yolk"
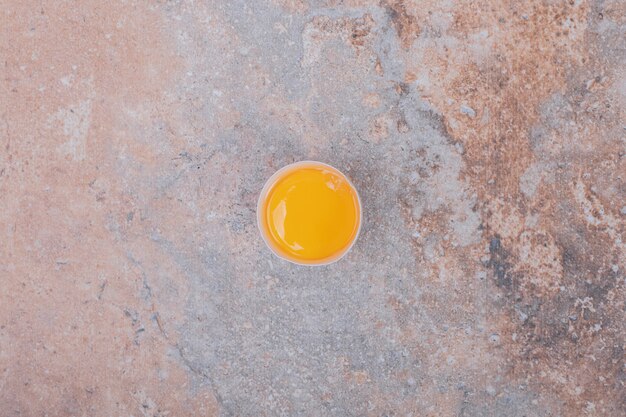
(311, 214)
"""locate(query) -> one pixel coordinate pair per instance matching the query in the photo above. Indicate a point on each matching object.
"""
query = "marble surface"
(487, 141)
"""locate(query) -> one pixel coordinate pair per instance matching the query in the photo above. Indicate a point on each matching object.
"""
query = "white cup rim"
(272, 180)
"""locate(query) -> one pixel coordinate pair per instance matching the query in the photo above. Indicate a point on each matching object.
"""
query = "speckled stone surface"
(487, 141)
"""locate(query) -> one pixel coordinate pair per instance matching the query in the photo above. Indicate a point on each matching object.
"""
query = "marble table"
(487, 142)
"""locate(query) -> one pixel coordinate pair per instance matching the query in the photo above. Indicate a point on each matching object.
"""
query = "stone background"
(486, 138)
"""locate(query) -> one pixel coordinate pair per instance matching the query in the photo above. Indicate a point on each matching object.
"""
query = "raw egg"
(309, 213)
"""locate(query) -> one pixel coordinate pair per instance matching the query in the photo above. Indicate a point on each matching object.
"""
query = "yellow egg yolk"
(311, 214)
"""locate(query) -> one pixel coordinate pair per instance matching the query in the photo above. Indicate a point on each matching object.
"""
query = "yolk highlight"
(311, 214)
